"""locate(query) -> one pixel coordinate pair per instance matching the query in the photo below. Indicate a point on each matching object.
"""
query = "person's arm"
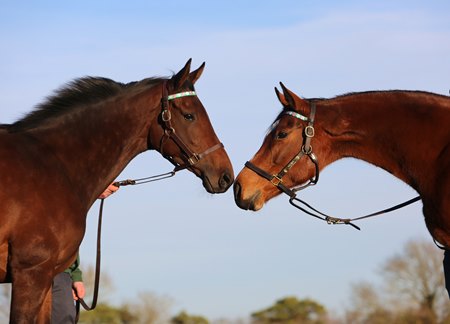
(78, 289)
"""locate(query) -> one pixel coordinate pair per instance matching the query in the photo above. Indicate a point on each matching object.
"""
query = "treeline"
(412, 292)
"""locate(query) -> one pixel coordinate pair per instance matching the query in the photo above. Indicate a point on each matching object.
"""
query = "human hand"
(108, 191)
(78, 290)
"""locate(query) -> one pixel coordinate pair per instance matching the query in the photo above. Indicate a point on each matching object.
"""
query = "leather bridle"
(189, 157)
(306, 150)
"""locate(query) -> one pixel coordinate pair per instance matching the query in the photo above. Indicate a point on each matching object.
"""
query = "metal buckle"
(276, 180)
(309, 131)
(193, 159)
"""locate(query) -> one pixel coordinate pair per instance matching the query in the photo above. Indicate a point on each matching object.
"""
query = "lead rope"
(97, 269)
(346, 221)
(158, 177)
(191, 160)
(121, 183)
(276, 179)
(80, 301)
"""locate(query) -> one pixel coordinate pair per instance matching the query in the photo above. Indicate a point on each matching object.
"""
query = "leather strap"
(277, 182)
(192, 158)
(97, 268)
(169, 132)
(306, 149)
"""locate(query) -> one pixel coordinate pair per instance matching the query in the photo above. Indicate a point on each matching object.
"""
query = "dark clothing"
(63, 307)
(63, 304)
(74, 270)
(447, 270)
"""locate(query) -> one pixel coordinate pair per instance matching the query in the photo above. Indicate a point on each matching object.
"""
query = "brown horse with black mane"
(407, 133)
(56, 161)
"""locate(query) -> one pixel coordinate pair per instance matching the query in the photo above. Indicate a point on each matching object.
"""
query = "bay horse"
(56, 161)
(406, 133)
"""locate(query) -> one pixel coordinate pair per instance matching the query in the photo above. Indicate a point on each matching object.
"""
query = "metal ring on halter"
(166, 115)
(169, 131)
(309, 150)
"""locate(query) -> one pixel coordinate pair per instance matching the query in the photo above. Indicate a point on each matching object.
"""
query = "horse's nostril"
(237, 191)
(225, 180)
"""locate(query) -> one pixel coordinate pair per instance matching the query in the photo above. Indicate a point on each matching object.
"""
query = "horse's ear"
(281, 98)
(181, 77)
(292, 99)
(288, 95)
(195, 75)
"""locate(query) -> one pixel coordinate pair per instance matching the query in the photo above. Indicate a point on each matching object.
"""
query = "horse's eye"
(281, 135)
(189, 117)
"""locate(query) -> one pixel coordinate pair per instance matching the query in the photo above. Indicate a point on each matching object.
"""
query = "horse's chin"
(253, 202)
(210, 188)
(207, 185)
(218, 184)
(257, 204)
(253, 205)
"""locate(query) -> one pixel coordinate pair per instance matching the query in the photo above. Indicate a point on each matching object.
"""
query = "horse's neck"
(94, 144)
(387, 133)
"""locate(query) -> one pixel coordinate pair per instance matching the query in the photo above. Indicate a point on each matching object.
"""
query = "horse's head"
(285, 159)
(186, 137)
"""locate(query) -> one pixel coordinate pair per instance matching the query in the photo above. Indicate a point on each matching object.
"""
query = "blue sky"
(209, 256)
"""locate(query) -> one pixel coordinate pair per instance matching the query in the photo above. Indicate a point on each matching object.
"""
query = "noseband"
(189, 157)
(306, 149)
(276, 179)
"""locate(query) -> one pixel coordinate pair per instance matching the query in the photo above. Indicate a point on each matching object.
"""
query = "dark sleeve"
(75, 272)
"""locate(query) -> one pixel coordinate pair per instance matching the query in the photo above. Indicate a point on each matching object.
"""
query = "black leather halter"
(277, 181)
(189, 157)
(306, 149)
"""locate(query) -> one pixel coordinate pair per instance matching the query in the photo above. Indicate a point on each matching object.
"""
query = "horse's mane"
(416, 92)
(79, 92)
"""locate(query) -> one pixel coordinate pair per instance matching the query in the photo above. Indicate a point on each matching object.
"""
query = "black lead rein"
(190, 159)
(306, 150)
(157, 177)
(121, 183)
(80, 301)
(347, 221)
